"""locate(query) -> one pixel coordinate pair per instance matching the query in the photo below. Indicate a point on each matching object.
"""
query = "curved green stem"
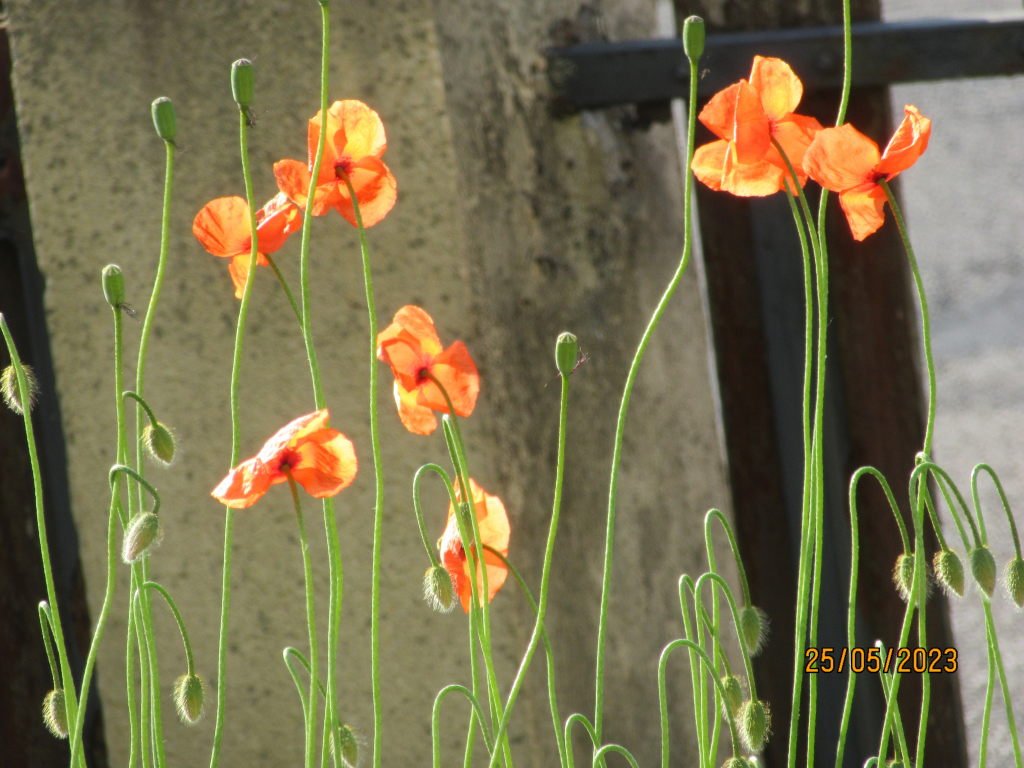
(577, 719)
(742, 640)
(229, 513)
(418, 508)
(627, 392)
(901, 737)
(122, 469)
(435, 718)
(45, 627)
(1011, 722)
(284, 287)
(140, 400)
(697, 683)
(545, 578)
(190, 664)
(70, 696)
(975, 496)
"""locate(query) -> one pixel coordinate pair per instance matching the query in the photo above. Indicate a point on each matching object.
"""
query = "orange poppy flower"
(746, 116)
(320, 459)
(353, 149)
(222, 227)
(492, 523)
(846, 161)
(411, 346)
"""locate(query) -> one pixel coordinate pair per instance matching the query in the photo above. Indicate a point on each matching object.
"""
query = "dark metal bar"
(596, 75)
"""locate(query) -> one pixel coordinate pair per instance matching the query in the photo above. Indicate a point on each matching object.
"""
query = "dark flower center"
(343, 168)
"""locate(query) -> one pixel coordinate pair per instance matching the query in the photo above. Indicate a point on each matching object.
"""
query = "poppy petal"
(417, 324)
(751, 128)
(243, 485)
(841, 158)
(326, 463)
(222, 226)
(416, 418)
(375, 188)
(457, 373)
(292, 177)
(864, 209)
(719, 114)
(907, 144)
(493, 527)
(276, 221)
(778, 87)
(362, 127)
(756, 179)
(794, 135)
(709, 162)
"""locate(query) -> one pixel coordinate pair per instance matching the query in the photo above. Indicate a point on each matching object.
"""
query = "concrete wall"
(510, 227)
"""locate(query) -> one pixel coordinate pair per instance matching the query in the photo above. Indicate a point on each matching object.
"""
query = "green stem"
(1011, 722)
(986, 715)
(901, 737)
(714, 578)
(307, 574)
(129, 394)
(545, 578)
(627, 392)
(229, 513)
(926, 328)
(70, 696)
(190, 665)
(284, 286)
(975, 496)
(378, 478)
(697, 683)
(435, 718)
(45, 628)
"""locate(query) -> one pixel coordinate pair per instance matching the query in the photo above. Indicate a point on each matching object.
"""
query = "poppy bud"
(1014, 581)
(144, 532)
(189, 696)
(242, 84)
(693, 37)
(733, 698)
(164, 120)
(159, 441)
(345, 745)
(737, 762)
(113, 285)
(949, 572)
(55, 716)
(11, 392)
(755, 723)
(754, 626)
(903, 575)
(438, 589)
(983, 566)
(567, 353)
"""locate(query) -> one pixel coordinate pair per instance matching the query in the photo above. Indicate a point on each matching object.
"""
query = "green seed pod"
(754, 626)
(693, 37)
(164, 119)
(159, 442)
(113, 285)
(345, 745)
(1013, 579)
(189, 697)
(903, 575)
(144, 532)
(438, 589)
(11, 393)
(733, 688)
(949, 572)
(983, 567)
(55, 715)
(567, 353)
(242, 83)
(755, 723)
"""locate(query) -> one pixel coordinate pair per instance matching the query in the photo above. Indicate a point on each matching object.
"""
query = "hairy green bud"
(949, 572)
(983, 567)
(55, 715)
(754, 626)
(438, 589)
(1013, 579)
(755, 723)
(189, 697)
(11, 393)
(144, 532)
(159, 442)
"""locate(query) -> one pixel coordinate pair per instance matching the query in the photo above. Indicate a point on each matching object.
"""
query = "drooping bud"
(693, 37)
(242, 83)
(189, 696)
(113, 286)
(159, 442)
(12, 394)
(755, 723)
(983, 567)
(754, 626)
(567, 353)
(903, 575)
(733, 697)
(1013, 579)
(438, 589)
(144, 532)
(345, 745)
(949, 572)
(55, 716)
(164, 119)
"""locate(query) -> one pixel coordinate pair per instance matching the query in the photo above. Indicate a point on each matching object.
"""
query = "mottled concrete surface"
(510, 227)
(965, 204)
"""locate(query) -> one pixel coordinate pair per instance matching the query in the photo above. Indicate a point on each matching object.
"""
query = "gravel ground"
(965, 205)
